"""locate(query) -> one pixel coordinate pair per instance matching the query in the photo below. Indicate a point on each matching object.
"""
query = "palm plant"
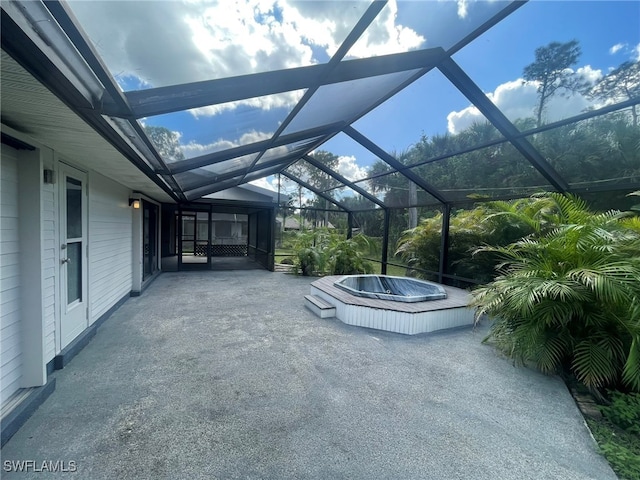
(322, 251)
(347, 256)
(568, 297)
(308, 248)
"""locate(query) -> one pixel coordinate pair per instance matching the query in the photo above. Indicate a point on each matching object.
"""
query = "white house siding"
(49, 261)
(10, 333)
(110, 244)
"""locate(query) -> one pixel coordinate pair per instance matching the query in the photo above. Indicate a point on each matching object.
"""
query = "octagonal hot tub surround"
(387, 287)
(329, 297)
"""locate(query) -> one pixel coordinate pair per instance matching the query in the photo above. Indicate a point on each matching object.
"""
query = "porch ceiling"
(30, 108)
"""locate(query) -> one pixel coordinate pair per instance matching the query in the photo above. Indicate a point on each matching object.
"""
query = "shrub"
(492, 223)
(346, 257)
(568, 296)
(624, 411)
(621, 449)
(326, 252)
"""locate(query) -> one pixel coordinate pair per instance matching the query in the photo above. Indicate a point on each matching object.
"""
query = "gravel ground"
(226, 375)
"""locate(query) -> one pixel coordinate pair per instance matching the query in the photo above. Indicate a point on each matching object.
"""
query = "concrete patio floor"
(226, 375)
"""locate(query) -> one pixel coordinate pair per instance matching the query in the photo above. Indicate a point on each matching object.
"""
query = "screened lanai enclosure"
(364, 117)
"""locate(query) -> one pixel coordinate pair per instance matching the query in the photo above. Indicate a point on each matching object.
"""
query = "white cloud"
(632, 51)
(518, 98)
(270, 183)
(349, 168)
(616, 48)
(173, 42)
(266, 102)
(384, 37)
(462, 8)
(194, 149)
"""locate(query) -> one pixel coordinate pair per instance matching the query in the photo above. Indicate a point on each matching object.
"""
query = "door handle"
(65, 260)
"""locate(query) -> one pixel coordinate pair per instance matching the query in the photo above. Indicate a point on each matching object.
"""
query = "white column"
(137, 254)
(30, 174)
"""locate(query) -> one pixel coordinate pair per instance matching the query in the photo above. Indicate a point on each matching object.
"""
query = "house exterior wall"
(50, 258)
(10, 278)
(30, 259)
(110, 244)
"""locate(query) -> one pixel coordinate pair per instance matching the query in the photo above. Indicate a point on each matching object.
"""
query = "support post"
(444, 242)
(385, 241)
(349, 225)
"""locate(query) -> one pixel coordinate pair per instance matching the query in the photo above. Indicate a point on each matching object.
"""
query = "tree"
(621, 83)
(399, 191)
(321, 180)
(166, 142)
(552, 71)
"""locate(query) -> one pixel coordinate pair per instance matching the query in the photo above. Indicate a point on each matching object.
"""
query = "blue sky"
(162, 43)
(500, 55)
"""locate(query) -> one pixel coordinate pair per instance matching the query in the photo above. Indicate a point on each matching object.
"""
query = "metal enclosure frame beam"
(343, 180)
(331, 66)
(38, 61)
(384, 256)
(162, 100)
(443, 268)
(312, 189)
(393, 163)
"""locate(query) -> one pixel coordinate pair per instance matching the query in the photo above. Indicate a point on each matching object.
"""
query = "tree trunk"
(543, 99)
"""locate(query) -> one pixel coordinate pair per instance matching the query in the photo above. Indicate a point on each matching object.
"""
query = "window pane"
(74, 208)
(74, 272)
(345, 101)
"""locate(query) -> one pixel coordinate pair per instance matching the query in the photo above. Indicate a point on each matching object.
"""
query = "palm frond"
(593, 365)
(631, 369)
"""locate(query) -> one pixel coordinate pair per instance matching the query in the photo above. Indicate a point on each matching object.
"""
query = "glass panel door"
(73, 265)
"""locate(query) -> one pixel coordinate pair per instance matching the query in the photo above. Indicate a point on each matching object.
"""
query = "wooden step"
(319, 306)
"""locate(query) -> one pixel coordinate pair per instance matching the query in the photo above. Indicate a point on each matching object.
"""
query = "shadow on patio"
(227, 375)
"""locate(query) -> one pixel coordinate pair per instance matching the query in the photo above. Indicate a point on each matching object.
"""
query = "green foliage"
(307, 246)
(568, 295)
(624, 411)
(599, 150)
(346, 257)
(323, 251)
(620, 448)
(495, 223)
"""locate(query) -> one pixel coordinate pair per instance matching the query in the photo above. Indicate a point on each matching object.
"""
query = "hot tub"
(386, 287)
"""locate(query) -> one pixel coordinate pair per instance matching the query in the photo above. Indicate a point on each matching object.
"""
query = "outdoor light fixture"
(134, 202)
(49, 176)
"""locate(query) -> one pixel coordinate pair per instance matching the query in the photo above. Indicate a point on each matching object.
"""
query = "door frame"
(77, 312)
(154, 239)
(180, 213)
